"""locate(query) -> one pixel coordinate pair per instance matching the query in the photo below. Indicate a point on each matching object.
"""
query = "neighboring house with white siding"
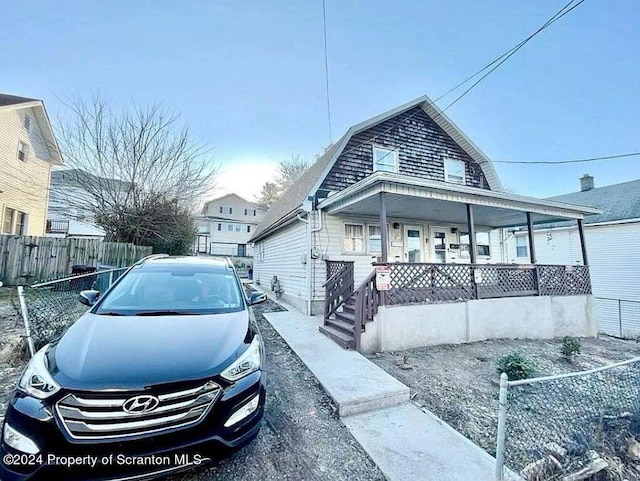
(408, 190)
(225, 226)
(612, 238)
(28, 150)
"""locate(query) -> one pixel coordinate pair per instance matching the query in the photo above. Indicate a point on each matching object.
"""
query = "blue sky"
(248, 75)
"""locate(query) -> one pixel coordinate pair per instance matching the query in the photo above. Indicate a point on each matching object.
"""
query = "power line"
(500, 60)
(326, 66)
(573, 161)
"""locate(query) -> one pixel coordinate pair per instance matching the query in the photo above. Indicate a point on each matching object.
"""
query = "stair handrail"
(338, 288)
(367, 299)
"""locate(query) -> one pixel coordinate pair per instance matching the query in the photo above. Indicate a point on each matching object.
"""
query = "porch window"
(238, 228)
(385, 160)
(375, 239)
(522, 249)
(230, 227)
(353, 238)
(454, 171)
(482, 241)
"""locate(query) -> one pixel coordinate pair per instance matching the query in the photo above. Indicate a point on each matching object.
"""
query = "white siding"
(614, 262)
(283, 253)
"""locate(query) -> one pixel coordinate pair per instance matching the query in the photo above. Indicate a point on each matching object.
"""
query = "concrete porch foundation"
(544, 317)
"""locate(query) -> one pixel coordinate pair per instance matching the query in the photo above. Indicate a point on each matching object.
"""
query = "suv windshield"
(168, 290)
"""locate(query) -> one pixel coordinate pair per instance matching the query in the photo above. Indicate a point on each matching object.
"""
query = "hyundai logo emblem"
(140, 404)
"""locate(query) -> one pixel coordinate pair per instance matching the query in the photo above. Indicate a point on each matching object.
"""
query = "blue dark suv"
(164, 371)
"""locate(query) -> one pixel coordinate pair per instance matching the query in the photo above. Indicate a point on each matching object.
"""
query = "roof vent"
(586, 182)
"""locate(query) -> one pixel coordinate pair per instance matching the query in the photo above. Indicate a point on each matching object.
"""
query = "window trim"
(525, 246)
(465, 254)
(364, 238)
(447, 173)
(387, 149)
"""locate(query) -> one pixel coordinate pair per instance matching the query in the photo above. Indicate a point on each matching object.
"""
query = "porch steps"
(340, 337)
(337, 323)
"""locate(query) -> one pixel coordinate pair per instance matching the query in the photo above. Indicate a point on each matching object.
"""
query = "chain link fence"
(583, 425)
(618, 317)
(49, 308)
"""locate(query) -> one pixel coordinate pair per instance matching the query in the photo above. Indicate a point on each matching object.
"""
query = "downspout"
(310, 271)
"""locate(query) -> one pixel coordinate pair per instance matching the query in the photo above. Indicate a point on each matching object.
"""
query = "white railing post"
(25, 318)
(502, 417)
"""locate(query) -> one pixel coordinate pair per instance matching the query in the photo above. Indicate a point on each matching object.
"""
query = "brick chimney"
(586, 182)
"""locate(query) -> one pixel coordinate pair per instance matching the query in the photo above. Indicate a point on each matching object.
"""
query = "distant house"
(612, 238)
(396, 236)
(69, 211)
(225, 226)
(28, 149)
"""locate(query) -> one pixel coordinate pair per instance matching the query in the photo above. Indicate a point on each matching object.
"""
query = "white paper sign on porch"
(477, 276)
(383, 278)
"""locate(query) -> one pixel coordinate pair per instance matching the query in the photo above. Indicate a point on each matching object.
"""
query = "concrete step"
(346, 327)
(341, 338)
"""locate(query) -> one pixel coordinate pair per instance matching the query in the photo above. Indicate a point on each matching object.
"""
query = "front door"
(413, 244)
(438, 238)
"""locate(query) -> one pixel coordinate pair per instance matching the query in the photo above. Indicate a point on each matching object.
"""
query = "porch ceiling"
(419, 199)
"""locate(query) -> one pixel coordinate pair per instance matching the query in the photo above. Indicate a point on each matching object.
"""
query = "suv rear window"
(173, 289)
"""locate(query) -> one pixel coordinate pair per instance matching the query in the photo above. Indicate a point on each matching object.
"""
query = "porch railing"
(339, 285)
(432, 283)
(367, 301)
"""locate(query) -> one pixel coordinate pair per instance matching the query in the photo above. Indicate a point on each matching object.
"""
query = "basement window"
(385, 160)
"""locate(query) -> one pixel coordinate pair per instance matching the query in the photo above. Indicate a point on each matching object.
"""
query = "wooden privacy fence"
(28, 259)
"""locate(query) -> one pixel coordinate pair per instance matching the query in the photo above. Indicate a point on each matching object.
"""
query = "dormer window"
(454, 171)
(385, 160)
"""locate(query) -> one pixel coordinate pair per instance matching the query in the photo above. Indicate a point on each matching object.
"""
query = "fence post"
(620, 315)
(25, 318)
(502, 417)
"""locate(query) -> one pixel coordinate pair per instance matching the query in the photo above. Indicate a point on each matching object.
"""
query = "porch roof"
(422, 199)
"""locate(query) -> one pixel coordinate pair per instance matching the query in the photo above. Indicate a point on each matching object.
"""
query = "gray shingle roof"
(617, 201)
(6, 99)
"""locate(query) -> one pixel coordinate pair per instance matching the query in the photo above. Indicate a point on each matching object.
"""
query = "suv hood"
(131, 352)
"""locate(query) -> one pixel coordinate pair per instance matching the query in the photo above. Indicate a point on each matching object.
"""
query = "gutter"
(310, 247)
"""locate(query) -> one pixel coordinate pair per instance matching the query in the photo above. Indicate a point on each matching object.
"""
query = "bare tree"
(288, 172)
(142, 172)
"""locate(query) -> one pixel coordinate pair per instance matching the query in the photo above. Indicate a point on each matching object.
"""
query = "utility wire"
(574, 161)
(326, 66)
(500, 60)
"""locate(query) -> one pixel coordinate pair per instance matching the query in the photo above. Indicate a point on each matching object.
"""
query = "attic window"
(454, 171)
(27, 122)
(385, 160)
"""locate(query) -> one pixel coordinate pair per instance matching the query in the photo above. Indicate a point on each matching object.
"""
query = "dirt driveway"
(301, 438)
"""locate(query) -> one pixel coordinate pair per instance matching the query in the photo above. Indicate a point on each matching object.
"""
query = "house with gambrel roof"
(395, 236)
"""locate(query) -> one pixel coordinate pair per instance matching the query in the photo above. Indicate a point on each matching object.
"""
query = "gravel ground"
(301, 437)
(459, 383)
(11, 332)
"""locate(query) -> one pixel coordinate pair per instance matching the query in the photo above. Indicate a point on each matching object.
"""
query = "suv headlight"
(36, 380)
(248, 362)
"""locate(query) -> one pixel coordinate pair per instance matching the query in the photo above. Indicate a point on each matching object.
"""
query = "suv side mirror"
(89, 297)
(257, 298)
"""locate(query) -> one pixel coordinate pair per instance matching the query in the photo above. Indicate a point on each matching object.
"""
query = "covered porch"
(457, 272)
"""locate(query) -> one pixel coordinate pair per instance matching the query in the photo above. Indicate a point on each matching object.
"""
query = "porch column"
(473, 247)
(583, 243)
(384, 229)
(532, 245)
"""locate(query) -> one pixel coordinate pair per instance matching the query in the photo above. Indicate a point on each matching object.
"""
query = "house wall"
(545, 317)
(329, 242)
(282, 255)
(614, 263)
(224, 241)
(24, 185)
(422, 147)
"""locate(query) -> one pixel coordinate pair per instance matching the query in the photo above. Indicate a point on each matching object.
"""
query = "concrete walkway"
(403, 440)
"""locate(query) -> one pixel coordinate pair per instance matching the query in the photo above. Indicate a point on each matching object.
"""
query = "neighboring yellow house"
(28, 149)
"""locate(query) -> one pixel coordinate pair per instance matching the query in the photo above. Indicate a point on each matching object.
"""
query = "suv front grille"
(102, 416)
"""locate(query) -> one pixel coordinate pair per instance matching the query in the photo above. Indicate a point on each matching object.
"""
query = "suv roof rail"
(152, 256)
